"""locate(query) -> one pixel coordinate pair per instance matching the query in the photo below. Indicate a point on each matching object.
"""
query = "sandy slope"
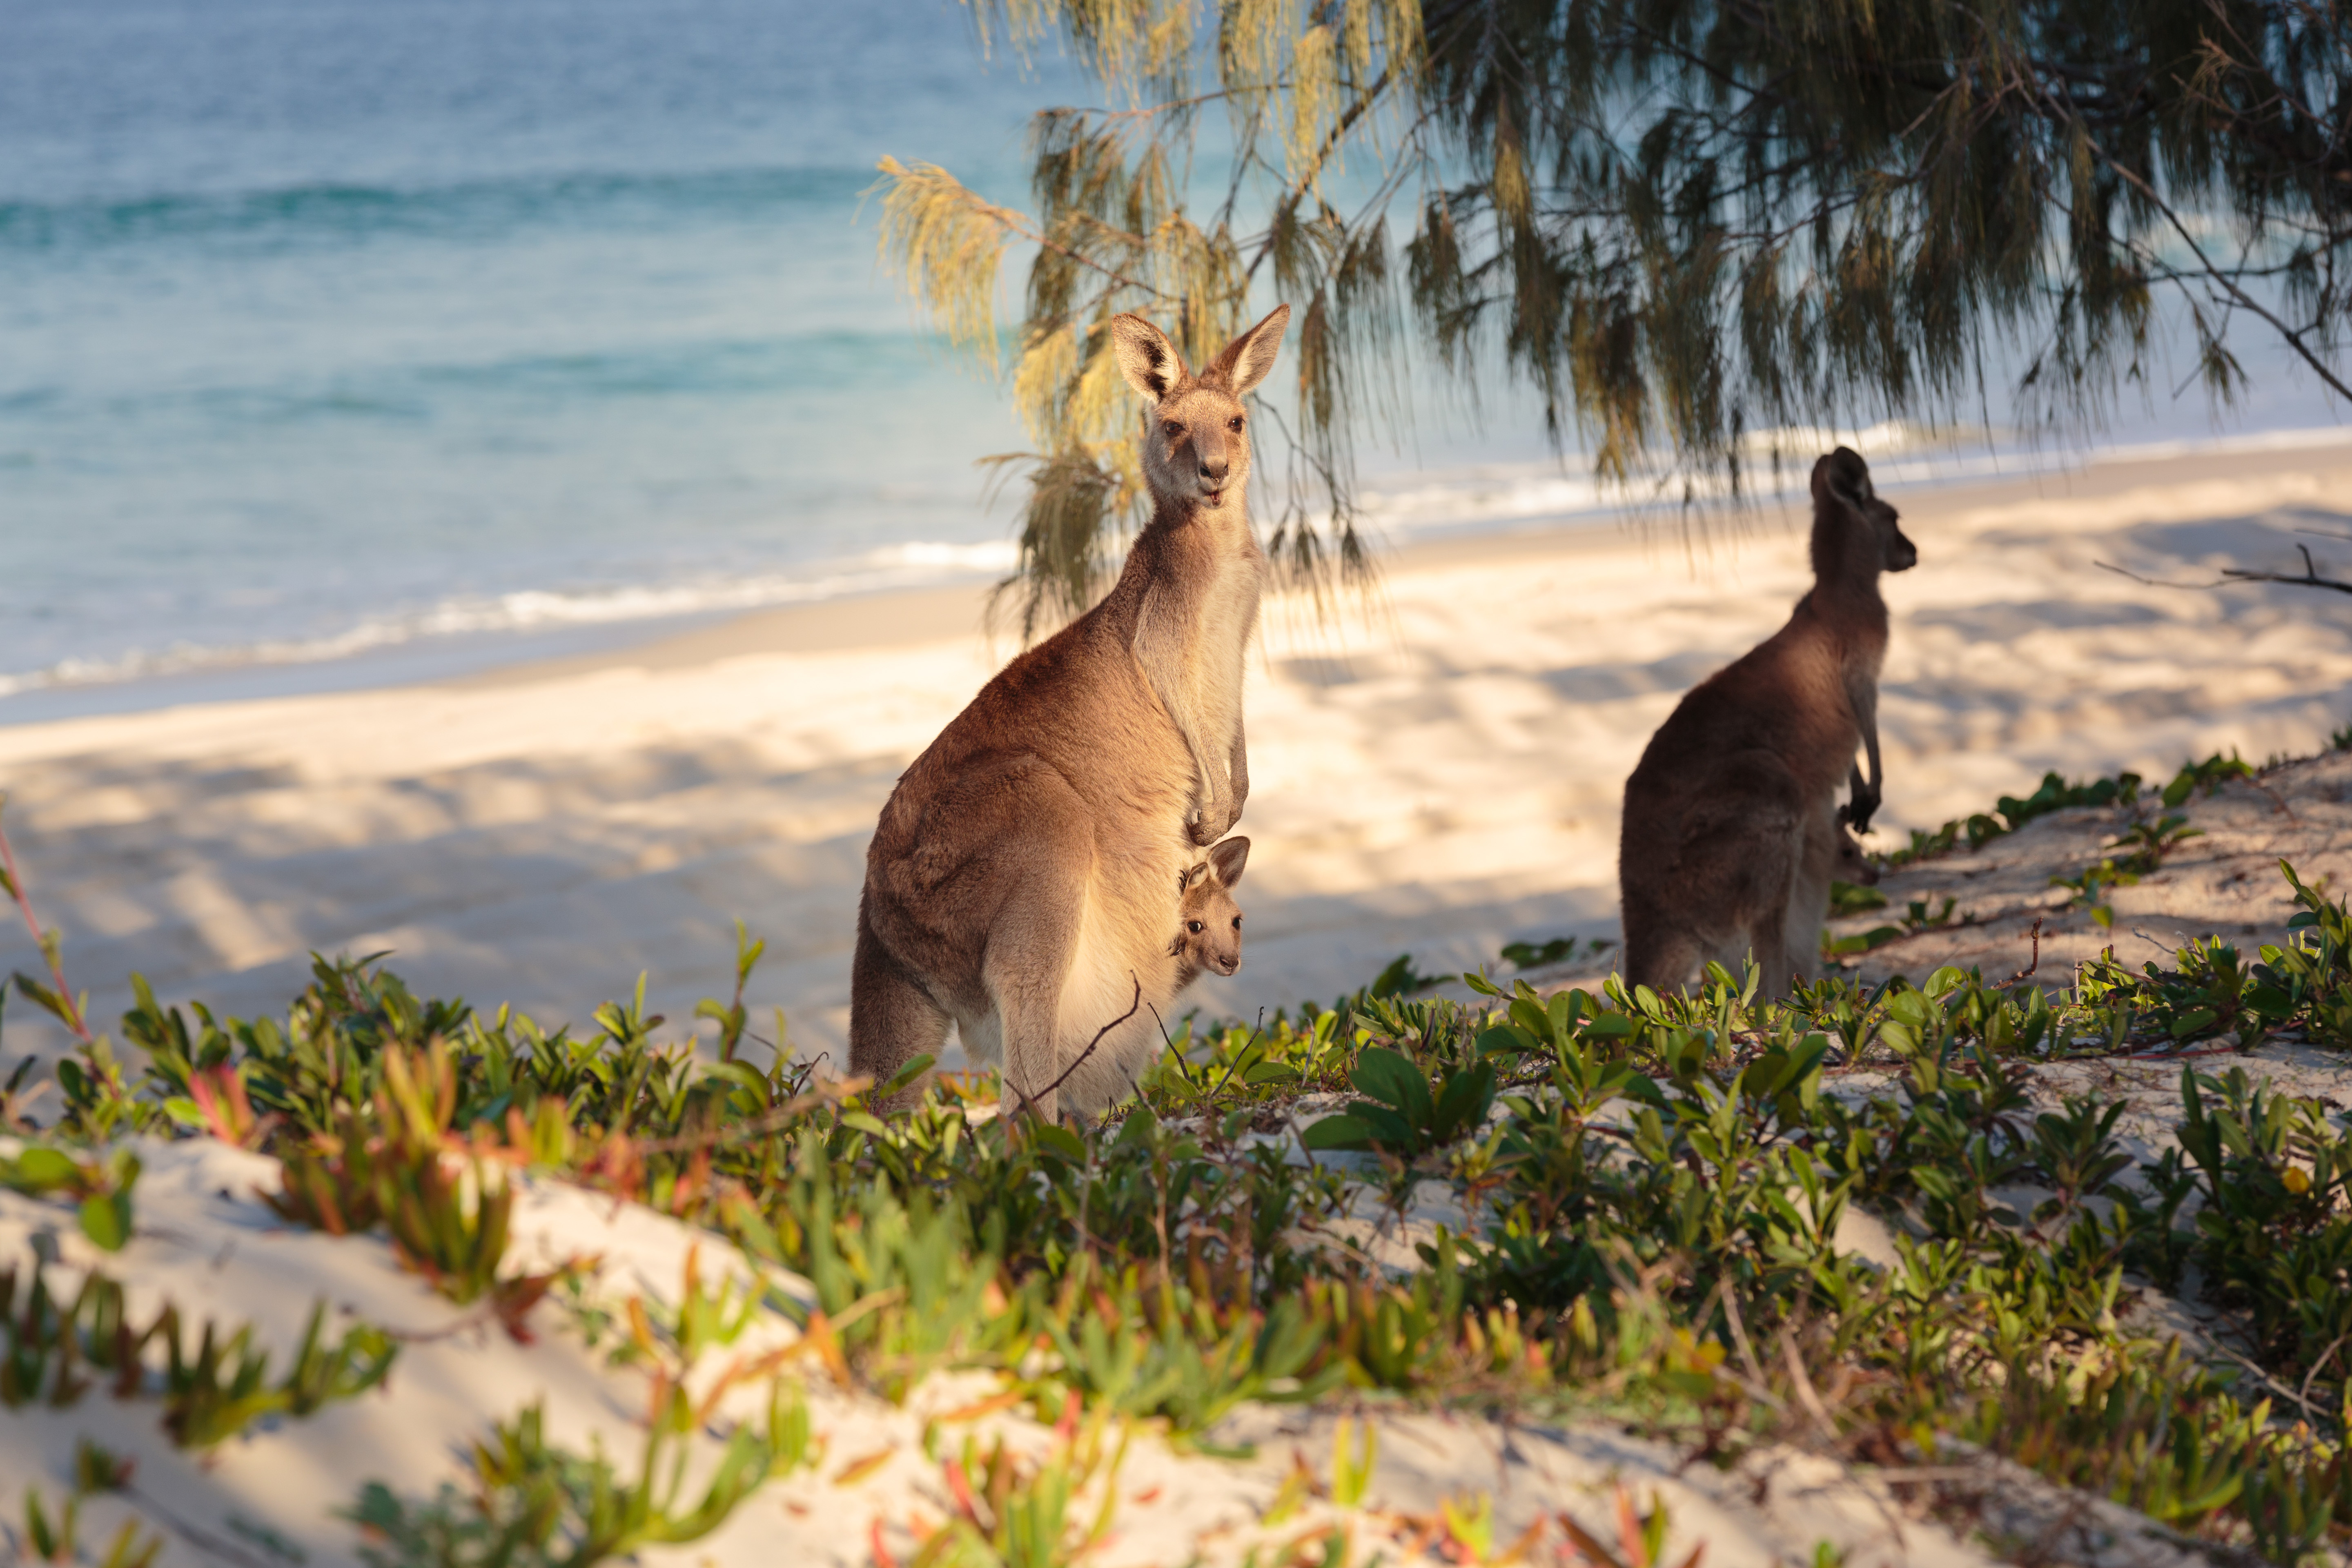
(279, 1495)
(1443, 776)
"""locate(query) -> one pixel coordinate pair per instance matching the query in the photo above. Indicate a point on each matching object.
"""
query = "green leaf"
(1336, 1133)
(44, 1169)
(1058, 1140)
(105, 1219)
(1385, 1076)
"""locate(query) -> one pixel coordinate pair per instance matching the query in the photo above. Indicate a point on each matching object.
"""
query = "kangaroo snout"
(1901, 553)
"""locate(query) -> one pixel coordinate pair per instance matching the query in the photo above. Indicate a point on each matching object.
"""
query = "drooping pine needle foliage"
(1683, 225)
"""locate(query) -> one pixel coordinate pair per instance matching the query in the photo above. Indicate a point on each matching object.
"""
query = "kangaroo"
(1022, 877)
(1730, 823)
(1208, 923)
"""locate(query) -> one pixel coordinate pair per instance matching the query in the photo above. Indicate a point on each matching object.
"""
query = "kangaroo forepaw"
(1203, 832)
(1859, 810)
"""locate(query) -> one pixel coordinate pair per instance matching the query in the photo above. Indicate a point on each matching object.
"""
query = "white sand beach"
(1441, 775)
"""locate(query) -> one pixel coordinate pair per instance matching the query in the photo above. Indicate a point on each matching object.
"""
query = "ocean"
(344, 340)
(330, 327)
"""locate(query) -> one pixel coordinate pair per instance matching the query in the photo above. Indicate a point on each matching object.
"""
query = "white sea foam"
(1399, 508)
(538, 610)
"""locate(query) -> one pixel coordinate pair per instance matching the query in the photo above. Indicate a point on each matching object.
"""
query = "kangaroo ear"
(1229, 857)
(1247, 358)
(1146, 357)
(1847, 476)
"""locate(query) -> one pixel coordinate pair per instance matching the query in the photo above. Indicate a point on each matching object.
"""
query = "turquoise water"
(354, 339)
(325, 327)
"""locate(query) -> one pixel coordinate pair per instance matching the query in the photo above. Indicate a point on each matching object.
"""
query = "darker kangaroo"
(1025, 874)
(1731, 824)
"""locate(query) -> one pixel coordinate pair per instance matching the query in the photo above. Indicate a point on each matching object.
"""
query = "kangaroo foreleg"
(1238, 776)
(1862, 694)
(892, 1018)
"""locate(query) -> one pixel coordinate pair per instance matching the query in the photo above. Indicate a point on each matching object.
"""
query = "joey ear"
(1146, 357)
(1248, 358)
(1229, 857)
(1184, 879)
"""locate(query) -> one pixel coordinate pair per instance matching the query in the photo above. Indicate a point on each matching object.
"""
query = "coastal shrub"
(1646, 1193)
(100, 1182)
(52, 1349)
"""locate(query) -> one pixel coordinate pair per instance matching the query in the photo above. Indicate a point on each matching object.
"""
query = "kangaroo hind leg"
(892, 1018)
(1033, 944)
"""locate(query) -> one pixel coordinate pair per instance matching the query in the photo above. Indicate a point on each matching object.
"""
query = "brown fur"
(1024, 875)
(1208, 922)
(1731, 824)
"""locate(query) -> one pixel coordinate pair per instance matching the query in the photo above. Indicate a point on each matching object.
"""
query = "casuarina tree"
(1684, 223)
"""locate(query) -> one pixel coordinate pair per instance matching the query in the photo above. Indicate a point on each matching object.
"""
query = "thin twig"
(2027, 972)
(2310, 578)
(1029, 1102)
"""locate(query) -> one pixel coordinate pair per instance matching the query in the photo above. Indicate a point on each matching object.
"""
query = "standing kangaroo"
(1731, 824)
(1027, 870)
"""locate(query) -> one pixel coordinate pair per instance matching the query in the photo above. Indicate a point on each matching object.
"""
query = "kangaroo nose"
(1215, 471)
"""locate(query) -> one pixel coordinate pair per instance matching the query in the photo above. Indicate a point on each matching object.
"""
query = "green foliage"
(1402, 1113)
(1688, 232)
(2010, 813)
(447, 1213)
(1916, 919)
(1559, 950)
(1649, 1190)
(1007, 1512)
(212, 1391)
(1846, 898)
(206, 1400)
(100, 1183)
(2205, 777)
(58, 1541)
(535, 1505)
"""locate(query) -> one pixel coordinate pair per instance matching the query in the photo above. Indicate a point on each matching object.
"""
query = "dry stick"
(2027, 972)
(2309, 579)
(2311, 1377)
(1028, 1103)
(42, 939)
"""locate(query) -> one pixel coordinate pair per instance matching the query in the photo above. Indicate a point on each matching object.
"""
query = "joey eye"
(1194, 927)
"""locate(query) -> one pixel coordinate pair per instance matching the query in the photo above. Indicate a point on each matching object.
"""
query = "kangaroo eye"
(1235, 422)
(1194, 927)
(1173, 429)
(1237, 922)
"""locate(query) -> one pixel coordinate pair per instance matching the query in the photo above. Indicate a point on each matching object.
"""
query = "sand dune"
(1441, 775)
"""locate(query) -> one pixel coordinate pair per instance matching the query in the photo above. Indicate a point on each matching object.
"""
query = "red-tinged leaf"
(959, 1488)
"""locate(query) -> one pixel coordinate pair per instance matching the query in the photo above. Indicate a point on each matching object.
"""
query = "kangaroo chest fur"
(1191, 642)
